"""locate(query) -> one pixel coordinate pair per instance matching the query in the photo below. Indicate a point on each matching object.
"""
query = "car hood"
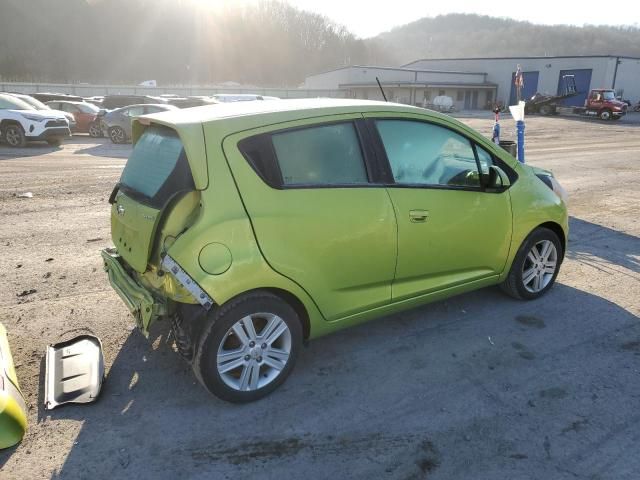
(44, 114)
(67, 115)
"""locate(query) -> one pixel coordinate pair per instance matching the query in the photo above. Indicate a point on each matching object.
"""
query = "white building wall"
(628, 79)
(446, 77)
(333, 78)
(500, 70)
(355, 75)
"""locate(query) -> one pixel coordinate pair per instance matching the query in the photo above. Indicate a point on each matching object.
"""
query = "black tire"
(117, 135)
(547, 110)
(217, 331)
(54, 142)
(95, 131)
(605, 114)
(514, 284)
(13, 135)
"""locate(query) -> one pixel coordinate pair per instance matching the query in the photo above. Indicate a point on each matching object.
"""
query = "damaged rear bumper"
(141, 303)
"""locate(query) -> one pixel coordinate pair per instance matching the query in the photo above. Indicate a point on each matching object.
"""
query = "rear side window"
(157, 168)
(323, 155)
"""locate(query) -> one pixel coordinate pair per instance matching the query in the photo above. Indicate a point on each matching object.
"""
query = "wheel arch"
(557, 229)
(10, 121)
(290, 299)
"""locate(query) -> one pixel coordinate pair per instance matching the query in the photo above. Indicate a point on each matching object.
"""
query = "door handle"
(418, 216)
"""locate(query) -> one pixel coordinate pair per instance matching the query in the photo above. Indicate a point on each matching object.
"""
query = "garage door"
(583, 84)
(530, 86)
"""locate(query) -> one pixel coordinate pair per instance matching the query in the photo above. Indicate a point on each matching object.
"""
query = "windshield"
(8, 102)
(609, 95)
(157, 168)
(37, 104)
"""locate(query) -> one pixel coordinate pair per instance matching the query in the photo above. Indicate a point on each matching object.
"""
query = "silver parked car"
(117, 123)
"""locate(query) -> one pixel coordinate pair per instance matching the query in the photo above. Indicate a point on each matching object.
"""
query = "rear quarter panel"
(223, 219)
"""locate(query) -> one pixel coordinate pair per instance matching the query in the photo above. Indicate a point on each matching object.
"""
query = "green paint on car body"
(347, 253)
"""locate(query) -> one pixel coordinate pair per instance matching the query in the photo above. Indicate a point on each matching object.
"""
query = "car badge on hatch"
(120, 209)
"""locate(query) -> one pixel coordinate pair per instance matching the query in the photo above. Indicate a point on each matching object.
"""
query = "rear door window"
(157, 168)
(320, 155)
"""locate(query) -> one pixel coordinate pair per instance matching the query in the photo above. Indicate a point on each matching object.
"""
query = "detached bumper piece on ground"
(13, 411)
(74, 371)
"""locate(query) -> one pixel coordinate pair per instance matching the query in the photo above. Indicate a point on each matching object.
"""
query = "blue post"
(520, 131)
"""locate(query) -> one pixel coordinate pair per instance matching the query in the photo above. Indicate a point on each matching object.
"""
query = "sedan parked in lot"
(117, 123)
(84, 113)
(111, 102)
(254, 226)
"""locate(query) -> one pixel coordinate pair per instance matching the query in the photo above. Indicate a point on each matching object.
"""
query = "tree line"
(172, 41)
(184, 42)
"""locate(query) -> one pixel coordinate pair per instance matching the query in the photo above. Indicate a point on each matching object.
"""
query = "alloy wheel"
(539, 266)
(94, 131)
(12, 136)
(117, 135)
(254, 351)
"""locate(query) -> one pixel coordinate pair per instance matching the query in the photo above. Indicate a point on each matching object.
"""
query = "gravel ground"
(479, 386)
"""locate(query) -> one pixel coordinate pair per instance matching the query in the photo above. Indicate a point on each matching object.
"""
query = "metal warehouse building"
(480, 82)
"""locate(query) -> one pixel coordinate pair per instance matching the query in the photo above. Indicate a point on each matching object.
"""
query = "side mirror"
(496, 179)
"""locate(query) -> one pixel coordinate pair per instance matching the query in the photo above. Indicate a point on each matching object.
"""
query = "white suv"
(20, 122)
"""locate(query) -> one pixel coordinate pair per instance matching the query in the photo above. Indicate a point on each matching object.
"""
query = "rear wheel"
(117, 135)
(535, 267)
(547, 110)
(605, 114)
(248, 347)
(14, 135)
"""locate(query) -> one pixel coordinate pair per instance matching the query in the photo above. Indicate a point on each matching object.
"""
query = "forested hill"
(171, 41)
(266, 44)
(462, 35)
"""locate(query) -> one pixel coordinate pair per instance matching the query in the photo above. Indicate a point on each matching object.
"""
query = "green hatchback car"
(255, 226)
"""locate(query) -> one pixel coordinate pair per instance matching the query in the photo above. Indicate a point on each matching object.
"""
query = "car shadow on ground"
(412, 393)
(106, 148)
(603, 248)
(33, 149)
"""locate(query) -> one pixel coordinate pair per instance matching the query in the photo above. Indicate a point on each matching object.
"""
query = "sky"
(366, 18)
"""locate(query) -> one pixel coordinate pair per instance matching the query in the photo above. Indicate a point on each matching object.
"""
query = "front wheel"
(535, 267)
(14, 136)
(117, 135)
(95, 131)
(605, 115)
(248, 348)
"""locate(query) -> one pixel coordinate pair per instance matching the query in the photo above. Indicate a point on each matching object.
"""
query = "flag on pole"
(518, 80)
